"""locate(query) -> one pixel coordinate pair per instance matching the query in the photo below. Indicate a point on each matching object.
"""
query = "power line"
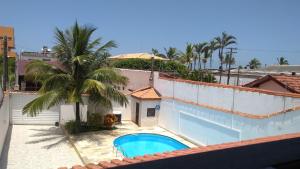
(270, 50)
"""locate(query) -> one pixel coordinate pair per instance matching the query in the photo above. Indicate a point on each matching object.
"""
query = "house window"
(150, 112)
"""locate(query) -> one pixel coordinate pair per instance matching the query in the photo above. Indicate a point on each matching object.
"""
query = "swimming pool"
(139, 144)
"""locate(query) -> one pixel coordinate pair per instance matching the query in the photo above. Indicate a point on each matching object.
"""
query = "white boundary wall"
(207, 126)
(210, 126)
(61, 113)
(66, 112)
(4, 120)
(232, 99)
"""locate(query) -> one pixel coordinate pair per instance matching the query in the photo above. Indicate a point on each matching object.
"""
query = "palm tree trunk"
(210, 62)
(77, 117)
(221, 64)
(199, 62)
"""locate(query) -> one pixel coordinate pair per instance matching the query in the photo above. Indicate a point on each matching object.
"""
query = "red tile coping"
(147, 93)
(248, 115)
(268, 92)
(160, 156)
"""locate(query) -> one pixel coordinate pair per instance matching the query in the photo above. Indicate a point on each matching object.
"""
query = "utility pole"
(5, 65)
(230, 59)
(151, 79)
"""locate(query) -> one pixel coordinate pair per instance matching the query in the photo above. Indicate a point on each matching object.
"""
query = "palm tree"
(229, 60)
(213, 47)
(156, 53)
(222, 42)
(171, 53)
(207, 54)
(199, 50)
(254, 63)
(80, 56)
(188, 55)
(282, 61)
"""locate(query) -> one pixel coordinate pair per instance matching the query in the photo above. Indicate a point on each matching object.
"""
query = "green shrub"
(141, 64)
(202, 76)
(172, 67)
(133, 64)
(70, 126)
(95, 120)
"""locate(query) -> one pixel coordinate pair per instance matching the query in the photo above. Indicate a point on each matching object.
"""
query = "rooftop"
(21, 64)
(137, 56)
(291, 83)
(148, 93)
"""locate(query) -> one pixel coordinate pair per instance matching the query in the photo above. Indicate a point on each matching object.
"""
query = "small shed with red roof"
(145, 105)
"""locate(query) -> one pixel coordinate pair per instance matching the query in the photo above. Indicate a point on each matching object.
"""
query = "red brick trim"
(140, 98)
(240, 88)
(177, 153)
(248, 115)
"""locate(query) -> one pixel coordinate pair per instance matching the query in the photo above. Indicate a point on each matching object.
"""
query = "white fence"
(4, 120)
(213, 114)
(227, 98)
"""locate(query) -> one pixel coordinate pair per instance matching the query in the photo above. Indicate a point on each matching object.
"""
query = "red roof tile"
(291, 83)
(148, 93)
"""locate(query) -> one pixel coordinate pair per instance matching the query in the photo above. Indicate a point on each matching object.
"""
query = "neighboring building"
(278, 83)
(244, 76)
(9, 33)
(146, 56)
(45, 55)
(24, 85)
(25, 58)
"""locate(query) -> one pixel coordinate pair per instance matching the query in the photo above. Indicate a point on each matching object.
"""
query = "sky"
(265, 29)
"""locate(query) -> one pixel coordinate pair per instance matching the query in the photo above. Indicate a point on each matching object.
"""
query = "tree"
(282, 61)
(171, 53)
(11, 70)
(199, 50)
(213, 47)
(254, 63)
(80, 56)
(207, 54)
(222, 42)
(188, 55)
(156, 53)
(229, 60)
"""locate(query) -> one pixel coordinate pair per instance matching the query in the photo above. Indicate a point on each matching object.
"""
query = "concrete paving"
(37, 147)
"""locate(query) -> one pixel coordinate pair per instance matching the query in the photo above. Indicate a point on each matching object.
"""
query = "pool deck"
(98, 146)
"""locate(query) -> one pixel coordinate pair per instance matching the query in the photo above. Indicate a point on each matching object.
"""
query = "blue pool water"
(132, 145)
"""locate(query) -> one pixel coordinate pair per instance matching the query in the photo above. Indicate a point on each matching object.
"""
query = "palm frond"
(104, 48)
(56, 81)
(108, 75)
(91, 85)
(37, 71)
(115, 95)
(46, 100)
